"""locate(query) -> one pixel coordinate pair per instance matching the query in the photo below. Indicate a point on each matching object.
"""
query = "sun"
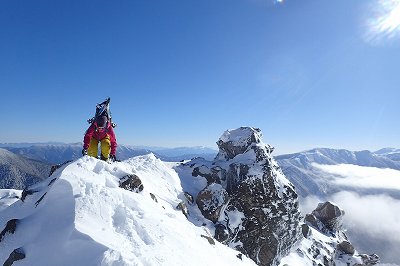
(385, 21)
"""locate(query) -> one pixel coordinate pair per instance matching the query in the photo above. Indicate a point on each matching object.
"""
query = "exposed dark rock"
(255, 207)
(235, 142)
(305, 229)
(10, 228)
(26, 192)
(327, 219)
(221, 233)
(153, 197)
(132, 183)
(182, 206)
(269, 223)
(209, 239)
(330, 215)
(239, 256)
(210, 201)
(189, 197)
(236, 174)
(17, 254)
(346, 247)
(57, 166)
(212, 175)
(369, 260)
(52, 181)
(311, 220)
(39, 200)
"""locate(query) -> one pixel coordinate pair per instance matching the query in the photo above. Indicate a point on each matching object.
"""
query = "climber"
(100, 131)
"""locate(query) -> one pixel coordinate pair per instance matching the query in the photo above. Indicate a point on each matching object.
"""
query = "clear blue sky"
(309, 73)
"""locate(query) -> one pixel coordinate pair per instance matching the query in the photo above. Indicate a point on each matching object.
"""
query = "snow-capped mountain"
(59, 153)
(56, 153)
(353, 180)
(238, 209)
(301, 169)
(17, 172)
(391, 153)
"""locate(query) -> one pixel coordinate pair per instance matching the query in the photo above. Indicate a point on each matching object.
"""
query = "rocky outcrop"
(346, 247)
(132, 183)
(183, 207)
(253, 206)
(17, 254)
(326, 218)
(210, 201)
(10, 228)
(327, 244)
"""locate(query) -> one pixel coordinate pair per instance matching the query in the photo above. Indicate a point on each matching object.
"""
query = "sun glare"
(385, 23)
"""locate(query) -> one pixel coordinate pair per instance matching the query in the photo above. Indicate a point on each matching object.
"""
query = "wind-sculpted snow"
(80, 216)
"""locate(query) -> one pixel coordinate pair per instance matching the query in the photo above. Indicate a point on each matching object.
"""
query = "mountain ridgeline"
(310, 180)
(17, 172)
(56, 153)
(236, 209)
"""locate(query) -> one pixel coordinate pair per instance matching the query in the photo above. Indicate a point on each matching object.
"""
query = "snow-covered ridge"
(80, 216)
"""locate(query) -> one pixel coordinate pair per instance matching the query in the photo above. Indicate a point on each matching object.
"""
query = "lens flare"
(385, 22)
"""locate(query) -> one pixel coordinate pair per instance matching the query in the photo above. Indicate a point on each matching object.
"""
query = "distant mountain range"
(237, 209)
(18, 172)
(56, 153)
(24, 165)
(298, 167)
(308, 179)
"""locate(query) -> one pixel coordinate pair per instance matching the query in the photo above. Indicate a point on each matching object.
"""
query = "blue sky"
(310, 73)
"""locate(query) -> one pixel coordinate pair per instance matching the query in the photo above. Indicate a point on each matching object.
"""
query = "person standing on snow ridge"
(100, 130)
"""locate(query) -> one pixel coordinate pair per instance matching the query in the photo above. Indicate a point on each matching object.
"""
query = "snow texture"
(79, 216)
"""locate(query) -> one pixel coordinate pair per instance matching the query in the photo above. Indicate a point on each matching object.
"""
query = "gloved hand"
(112, 157)
(84, 152)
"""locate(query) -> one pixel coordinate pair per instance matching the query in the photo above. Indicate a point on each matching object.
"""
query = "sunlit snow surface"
(86, 219)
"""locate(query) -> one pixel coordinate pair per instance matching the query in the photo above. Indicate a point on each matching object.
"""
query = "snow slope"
(8, 197)
(80, 216)
(16, 171)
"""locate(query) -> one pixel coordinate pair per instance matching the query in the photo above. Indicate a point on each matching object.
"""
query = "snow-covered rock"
(327, 217)
(80, 216)
(259, 216)
(143, 211)
(325, 242)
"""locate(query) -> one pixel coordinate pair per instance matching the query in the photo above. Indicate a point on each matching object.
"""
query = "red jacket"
(94, 132)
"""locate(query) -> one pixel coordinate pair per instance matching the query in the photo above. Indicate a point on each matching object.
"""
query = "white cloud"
(362, 176)
(372, 222)
(377, 215)
(308, 204)
(385, 21)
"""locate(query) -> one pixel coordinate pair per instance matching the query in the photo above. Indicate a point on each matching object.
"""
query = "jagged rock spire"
(259, 215)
